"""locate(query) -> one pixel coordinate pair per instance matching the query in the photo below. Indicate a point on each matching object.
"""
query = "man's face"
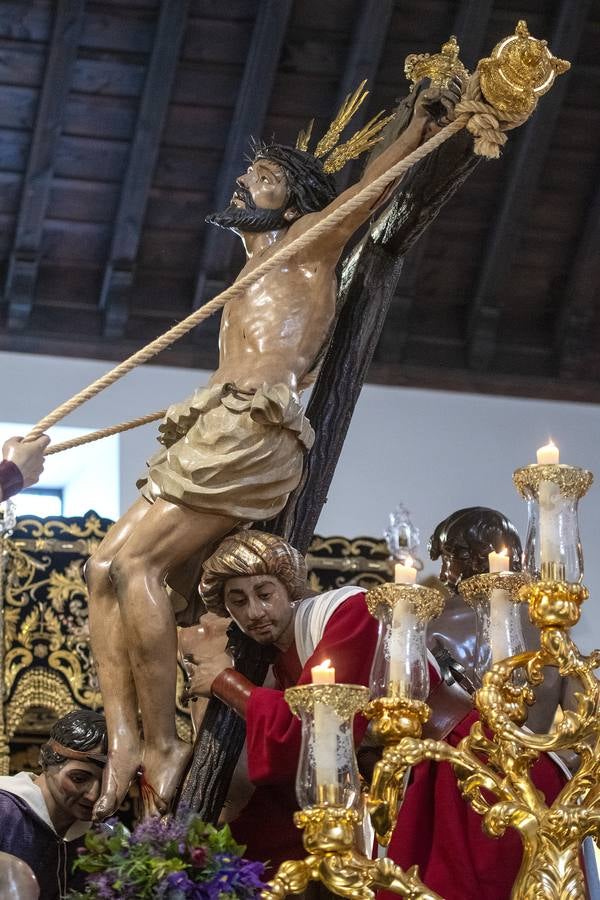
(75, 787)
(260, 605)
(259, 202)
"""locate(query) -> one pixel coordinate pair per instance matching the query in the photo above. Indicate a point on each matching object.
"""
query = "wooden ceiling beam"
(464, 381)
(470, 27)
(366, 48)
(248, 120)
(574, 333)
(143, 154)
(522, 181)
(84, 346)
(24, 260)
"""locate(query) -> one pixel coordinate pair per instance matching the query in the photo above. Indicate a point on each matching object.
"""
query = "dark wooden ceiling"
(124, 122)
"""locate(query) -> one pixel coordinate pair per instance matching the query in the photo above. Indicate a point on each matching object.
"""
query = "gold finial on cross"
(520, 69)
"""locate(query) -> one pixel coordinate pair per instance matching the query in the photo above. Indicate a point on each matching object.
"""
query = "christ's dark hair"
(311, 189)
(81, 729)
(476, 531)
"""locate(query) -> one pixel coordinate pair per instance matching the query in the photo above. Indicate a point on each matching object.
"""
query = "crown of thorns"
(334, 155)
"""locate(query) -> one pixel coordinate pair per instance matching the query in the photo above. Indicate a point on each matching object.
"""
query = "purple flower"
(103, 885)
(180, 880)
(251, 874)
(235, 875)
(157, 831)
(178, 885)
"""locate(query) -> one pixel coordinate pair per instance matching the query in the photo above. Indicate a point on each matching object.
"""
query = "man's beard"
(249, 217)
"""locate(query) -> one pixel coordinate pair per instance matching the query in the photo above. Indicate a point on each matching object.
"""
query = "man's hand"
(28, 457)
(204, 656)
(203, 674)
(434, 106)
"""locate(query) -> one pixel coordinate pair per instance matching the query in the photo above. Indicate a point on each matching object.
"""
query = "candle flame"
(408, 561)
(503, 552)
(326, 664)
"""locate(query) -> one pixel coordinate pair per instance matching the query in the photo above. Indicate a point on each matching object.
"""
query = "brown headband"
(84, 755)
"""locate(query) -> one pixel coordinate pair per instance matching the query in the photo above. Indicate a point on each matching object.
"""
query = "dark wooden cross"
(368, 281)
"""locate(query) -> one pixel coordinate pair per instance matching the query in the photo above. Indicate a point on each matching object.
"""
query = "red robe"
(273, 733)
(435, 829)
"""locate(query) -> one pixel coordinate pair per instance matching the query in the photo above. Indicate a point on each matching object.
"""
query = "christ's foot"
(162, 772)
(120, 771)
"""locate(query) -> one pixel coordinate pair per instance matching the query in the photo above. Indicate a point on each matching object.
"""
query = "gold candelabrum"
(493, 764)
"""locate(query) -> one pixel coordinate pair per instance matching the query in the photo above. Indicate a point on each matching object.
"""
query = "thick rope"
(481, 119)
(105, 432)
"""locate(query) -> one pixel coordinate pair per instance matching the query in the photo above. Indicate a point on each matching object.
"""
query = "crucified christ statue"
(231, 453)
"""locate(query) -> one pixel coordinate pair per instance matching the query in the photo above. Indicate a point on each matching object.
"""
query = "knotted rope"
(483, 121)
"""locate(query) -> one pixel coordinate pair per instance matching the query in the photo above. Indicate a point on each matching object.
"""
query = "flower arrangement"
(171, 859)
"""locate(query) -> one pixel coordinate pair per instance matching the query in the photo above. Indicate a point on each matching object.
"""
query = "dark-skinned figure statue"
(463, 542)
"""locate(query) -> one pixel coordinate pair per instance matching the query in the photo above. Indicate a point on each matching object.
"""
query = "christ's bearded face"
(260, 201)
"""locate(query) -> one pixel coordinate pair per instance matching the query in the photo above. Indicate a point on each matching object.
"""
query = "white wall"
(75, 472)
(31, 386)
(434, 451)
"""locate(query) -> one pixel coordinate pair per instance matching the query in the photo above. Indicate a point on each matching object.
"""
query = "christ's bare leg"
(164, 538)
(109, 647)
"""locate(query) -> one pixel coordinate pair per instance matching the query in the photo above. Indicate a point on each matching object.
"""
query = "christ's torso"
(272, 334)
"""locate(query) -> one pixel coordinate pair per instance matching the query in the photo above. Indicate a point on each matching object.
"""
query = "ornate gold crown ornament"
(520, 69)
(364, 139)
(441, 68)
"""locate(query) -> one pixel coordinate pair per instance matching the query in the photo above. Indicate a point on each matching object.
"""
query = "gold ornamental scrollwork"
(493, 763)
(478, 586)
(336, 561)
(328, 835)
(343, 699)
(47, 661)
(441, 68)
(37, 688)
(572, 482)
(425, 603)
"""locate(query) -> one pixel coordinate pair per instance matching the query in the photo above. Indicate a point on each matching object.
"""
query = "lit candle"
(327, 725)
(405, 573)
(499, 562)
(506, 636)
(400, 647)
(323, 674)
(548, 454)
(403, 622)
(548, 498)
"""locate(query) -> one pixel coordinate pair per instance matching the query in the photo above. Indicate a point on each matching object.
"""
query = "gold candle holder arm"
(398, 723)
(386, 793)
(333, 860)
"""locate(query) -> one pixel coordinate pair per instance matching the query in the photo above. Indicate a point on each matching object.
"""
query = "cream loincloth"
(231, 452)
